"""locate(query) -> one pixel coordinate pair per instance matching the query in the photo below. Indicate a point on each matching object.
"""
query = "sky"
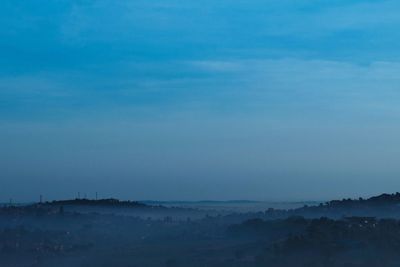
(192, 100)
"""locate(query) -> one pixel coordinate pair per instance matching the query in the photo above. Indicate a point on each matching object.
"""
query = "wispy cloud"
(283, 86)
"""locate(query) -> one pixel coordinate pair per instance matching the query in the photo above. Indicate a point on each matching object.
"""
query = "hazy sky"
(206, 99)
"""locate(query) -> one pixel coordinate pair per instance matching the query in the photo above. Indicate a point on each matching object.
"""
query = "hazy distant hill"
(110, 202)
(384, 205)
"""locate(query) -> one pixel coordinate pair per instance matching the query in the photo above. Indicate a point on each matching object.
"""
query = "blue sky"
(269, 100)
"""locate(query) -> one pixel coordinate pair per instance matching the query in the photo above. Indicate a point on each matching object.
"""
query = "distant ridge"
(110, 202)
(199, 201)
(379, 200)
(383, 205)
(383, 199)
